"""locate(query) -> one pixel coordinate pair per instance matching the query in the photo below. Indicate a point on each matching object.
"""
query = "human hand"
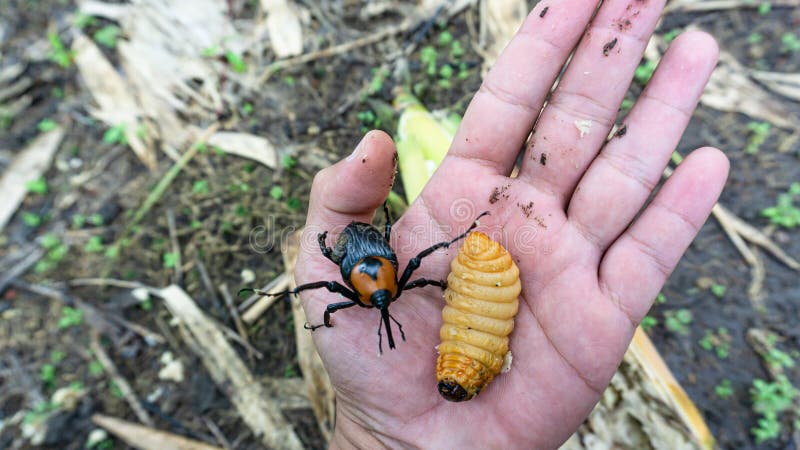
(589, 271)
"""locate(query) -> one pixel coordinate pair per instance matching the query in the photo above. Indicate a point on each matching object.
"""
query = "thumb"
(352, 189)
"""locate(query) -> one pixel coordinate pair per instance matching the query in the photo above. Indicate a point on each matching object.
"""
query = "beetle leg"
(425, 282)
(326, 251)
(415, 262)
(332, 286)
(326, 318)
(388, 227)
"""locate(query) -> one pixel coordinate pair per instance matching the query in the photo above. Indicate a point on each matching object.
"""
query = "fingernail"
(358, 148)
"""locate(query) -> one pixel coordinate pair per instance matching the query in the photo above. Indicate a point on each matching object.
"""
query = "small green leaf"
(236, 62)
(718, 290)
(94, 245)
(48, 375)
(200, 187)
(56, 356)
(288, 162)
(115, 135)
(95, 368)
(445, 38)
(276, 192)
(30, 219)
(50, 240)
(170, 260)
(293, 204)
(108, 36)
(46, 125)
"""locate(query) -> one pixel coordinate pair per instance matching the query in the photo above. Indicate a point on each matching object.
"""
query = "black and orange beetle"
(369, 268)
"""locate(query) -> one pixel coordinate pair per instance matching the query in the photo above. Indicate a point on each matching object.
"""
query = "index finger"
(503, 111)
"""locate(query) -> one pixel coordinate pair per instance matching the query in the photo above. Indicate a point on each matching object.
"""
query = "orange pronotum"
(482, 299)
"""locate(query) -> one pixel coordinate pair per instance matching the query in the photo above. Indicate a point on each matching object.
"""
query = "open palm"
(589, 271)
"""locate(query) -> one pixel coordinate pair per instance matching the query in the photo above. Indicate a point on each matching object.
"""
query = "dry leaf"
(250, 399)
(31, 163)
(283, 25)
(731, 89)
(146, 438)
(116, 104)
(500, 20)
(247, 146)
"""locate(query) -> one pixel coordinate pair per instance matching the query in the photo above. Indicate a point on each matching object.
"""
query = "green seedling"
(648, 322)
(764, 8)
(288, 162)
(368, 120)
(48, 375)
(677, 320)
(247, 109)
(170, 260)
(95, 219)
(768, 428)
(755, 38)
(58, 51)
(70, 317)
(670, 35)
(94, 245)
(115, 135)
(428, 56)
(724, 389)
(446, 72)
(95, 369)
(30, 219)
(241, 211)
(790, 43)
(56, 251)
(660, 299)
(770, 400)
(719, 342)
(445, 38)
(40, 412)
(146, 305)
(38, 186)
(78, 220)
(200, 187)
(759, 132)
(774, 357)
(46, 125)
(288, 80)
(718, 290)
(56, 356)
(276, 192)
(115, 390)
(456, 50)
(108, 36)
(235, 61)
(50, 241)
(645, 71)
(293, 204)
(376, 82)
(463, 71)
(785, 213)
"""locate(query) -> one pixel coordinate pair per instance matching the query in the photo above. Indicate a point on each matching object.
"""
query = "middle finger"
(581, 111)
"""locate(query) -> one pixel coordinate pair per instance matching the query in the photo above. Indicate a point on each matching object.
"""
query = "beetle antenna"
(400, 326)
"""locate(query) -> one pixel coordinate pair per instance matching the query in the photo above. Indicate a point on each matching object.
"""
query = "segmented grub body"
(482, 299)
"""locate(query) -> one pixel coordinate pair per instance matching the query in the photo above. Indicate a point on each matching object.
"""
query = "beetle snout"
(381, 298)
